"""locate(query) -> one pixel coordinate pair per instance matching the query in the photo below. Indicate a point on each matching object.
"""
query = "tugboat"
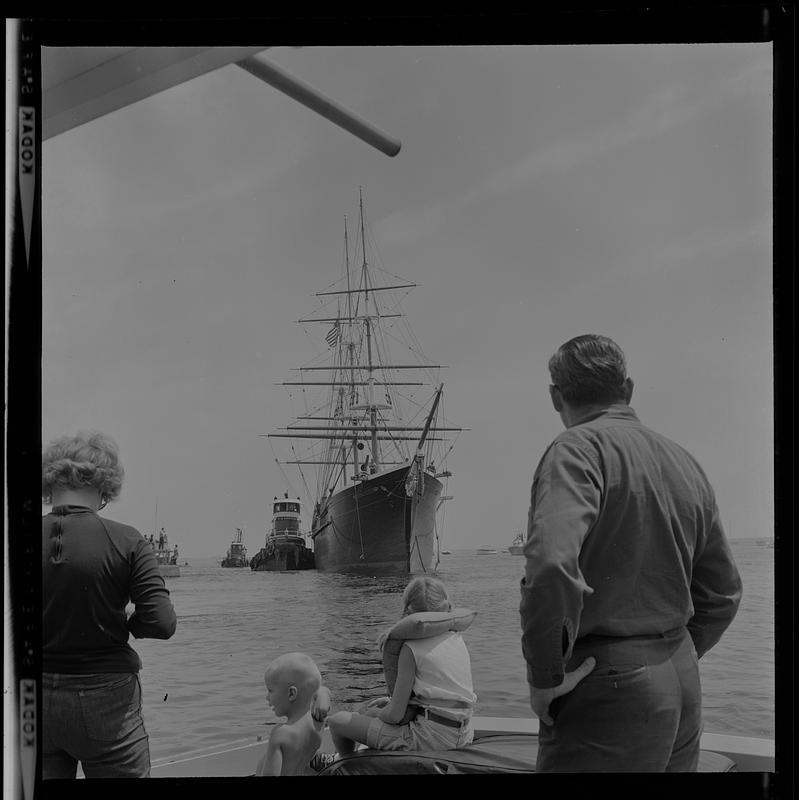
(167, 558)
(237, 552)
(285, 548)
(517, 548)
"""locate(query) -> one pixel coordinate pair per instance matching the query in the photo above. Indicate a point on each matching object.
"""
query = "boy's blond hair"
(299, 670)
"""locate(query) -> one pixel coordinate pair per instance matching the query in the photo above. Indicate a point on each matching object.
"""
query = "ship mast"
(350, 344)
(370, 366)
(357, 362)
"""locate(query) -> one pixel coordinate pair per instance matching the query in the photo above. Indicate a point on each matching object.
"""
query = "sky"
(541, 192)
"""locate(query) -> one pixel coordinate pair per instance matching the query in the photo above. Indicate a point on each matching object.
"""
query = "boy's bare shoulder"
(279, 732)
(301, 729)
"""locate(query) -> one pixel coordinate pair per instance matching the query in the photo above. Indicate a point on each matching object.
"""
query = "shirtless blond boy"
(294, 690)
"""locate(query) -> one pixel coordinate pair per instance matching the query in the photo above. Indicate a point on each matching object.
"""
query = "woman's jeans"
(640, 710)
(95, 720)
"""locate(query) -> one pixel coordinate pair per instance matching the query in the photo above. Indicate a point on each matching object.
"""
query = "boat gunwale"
(750, 754)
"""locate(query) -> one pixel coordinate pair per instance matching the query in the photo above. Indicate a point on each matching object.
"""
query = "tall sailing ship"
(369, 442)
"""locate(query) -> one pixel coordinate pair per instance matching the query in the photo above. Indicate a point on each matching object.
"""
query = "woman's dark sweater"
(91, 569)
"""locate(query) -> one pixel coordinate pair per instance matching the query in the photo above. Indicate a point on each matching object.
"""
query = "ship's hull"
(283, 554)
(516, 550)
(374, 526)
(236, 561)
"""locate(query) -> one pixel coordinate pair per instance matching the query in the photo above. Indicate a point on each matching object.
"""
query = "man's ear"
(557, 398)
(293, 692)
(628, 389)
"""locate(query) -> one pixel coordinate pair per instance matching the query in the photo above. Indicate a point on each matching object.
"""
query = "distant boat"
(765, 543)
(487, 550)
(167, 558)
(517, 548)
(372, 438)
(237, 552)
(446, 552)
(285, 548)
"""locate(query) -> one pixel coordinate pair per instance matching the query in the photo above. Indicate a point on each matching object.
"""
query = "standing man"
(629, 579)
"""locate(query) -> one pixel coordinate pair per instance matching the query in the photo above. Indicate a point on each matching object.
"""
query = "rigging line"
(280, 467)
(419, 551)
(447, 452)
(333, 478)
(438, 542)
(417, 345)
(376, 252)
(414, 511)
(403, 325)
(308, 494)
(358, 519)
(444, 420)
(397, 302)
(409, 399)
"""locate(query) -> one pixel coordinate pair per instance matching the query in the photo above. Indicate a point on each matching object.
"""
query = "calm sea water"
(204, 687)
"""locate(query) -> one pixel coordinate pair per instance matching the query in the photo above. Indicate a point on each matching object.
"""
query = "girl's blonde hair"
(425, 593)
(88, 459)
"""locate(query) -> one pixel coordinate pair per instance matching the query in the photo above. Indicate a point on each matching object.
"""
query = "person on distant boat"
(294, 690)
(91, 568)
(629, 579)
(434, 681)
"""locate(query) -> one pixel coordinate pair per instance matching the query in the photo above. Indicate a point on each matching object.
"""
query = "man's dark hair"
(589, 369)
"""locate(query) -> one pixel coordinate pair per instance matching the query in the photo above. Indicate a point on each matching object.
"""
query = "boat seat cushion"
(494, 754)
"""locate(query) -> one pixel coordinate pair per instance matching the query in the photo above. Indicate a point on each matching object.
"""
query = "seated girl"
(431, 702)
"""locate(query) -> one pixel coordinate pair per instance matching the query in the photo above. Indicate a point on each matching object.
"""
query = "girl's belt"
(440, 718)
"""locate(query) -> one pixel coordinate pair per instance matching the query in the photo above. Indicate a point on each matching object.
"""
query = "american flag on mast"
(332, 336)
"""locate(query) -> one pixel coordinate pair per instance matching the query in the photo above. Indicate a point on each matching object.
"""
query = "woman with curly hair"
(92, 567)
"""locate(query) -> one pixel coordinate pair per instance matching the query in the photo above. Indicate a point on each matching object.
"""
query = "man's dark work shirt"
(623, 539)
(91, 568)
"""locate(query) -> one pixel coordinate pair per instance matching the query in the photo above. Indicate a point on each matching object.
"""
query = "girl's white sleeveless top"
(443, 674)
